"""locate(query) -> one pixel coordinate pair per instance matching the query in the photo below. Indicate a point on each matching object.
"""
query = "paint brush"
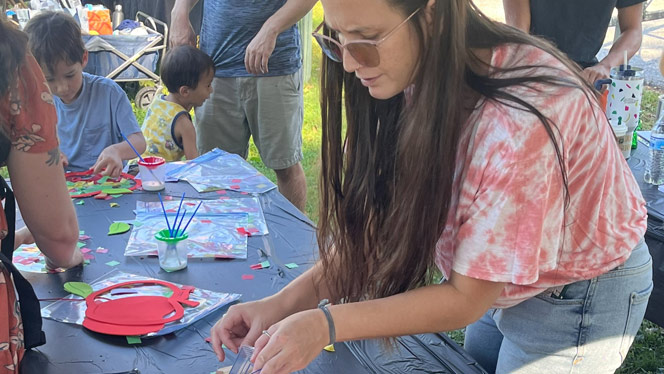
(177, 214)
(190, 218)
(138, 154)
(165, 215)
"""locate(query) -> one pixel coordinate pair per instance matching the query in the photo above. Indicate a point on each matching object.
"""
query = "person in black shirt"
(578, 28)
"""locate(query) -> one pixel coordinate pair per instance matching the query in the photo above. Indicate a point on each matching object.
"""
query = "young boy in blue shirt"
(93, 111)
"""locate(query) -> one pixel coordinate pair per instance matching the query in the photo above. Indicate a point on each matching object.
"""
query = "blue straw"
(180, 224)
(165, 216)
(190, 218)
(177, 214)
(132, 147)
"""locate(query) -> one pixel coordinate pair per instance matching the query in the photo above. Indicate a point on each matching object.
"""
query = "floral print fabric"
(28, 117)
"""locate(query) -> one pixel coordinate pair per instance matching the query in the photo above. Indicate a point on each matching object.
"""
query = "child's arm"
(186, 134)
(110, 160)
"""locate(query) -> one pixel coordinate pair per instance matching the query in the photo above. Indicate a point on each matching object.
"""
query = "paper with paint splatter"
(250, 205)
(211, 234)
(218, 170)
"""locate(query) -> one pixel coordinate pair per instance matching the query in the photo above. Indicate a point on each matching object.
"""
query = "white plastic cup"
(172, 252)
(153, 173)
(624, 138)
(625, 92)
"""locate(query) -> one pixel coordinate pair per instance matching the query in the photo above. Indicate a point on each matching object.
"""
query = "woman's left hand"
(292, 343)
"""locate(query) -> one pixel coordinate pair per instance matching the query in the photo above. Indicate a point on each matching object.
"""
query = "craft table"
(71, 349)
(655, 233)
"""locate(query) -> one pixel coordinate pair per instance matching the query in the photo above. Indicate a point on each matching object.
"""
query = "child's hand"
(64, 160)
(108, 163)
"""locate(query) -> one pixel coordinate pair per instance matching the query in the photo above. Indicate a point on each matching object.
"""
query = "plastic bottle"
(635, 141)
(655, 168)
(118, 16)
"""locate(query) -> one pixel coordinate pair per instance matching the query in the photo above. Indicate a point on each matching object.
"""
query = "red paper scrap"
(244, 193)
(253, 230)
(221, 192)
(86, 250)
(84, 237)
(190, 204)
(168, 197)
(236, 180)
(205, 221)
(247, 277)
(208, 339)
(101, 196)
(101, 250)
(242, 231)
(235, 187)
(109, 197)
(223, 197)
(88, 256)
(256, 266)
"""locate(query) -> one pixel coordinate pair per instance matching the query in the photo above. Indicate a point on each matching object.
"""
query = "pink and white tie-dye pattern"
(508, 221)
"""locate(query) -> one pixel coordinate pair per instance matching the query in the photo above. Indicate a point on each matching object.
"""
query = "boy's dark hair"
(183, 66)
(55, 37)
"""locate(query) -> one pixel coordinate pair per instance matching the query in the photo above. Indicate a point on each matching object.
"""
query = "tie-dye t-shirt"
(509, 222)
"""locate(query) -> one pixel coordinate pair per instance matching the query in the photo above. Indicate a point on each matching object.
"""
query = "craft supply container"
(153, 173)
(173, 251)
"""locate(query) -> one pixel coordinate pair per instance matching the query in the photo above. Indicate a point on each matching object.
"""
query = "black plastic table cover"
(655, 234)
(72, 349)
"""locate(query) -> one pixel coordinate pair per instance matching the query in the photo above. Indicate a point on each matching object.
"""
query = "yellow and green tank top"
(159, 129)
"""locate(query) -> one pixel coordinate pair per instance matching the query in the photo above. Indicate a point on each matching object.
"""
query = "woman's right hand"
(243, 325)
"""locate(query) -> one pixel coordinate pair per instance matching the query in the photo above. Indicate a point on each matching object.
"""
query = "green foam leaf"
(78, 288)
(118, 228)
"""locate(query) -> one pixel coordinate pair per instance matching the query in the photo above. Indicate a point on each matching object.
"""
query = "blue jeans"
(588, 328)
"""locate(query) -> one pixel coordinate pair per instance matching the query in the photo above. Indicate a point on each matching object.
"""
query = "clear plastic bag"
(249, 205)
(218, 170)
(211, 234)
(74, 311)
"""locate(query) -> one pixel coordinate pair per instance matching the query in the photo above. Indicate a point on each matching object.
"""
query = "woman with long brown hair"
(29, 149)
(477, 150)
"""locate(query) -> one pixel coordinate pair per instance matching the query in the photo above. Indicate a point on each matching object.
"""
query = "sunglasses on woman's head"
(365, 52)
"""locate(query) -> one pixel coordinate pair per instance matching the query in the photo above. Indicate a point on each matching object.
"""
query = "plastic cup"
(624, 138)
(172, 252)
(625, 92)
(153, 173)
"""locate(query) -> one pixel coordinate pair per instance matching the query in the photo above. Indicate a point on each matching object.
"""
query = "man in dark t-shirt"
(578, 28)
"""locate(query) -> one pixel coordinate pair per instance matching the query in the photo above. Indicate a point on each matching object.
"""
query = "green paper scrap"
(115, 191)
(81, 232)
(113, 263)
(118, 228)
(102, 179)
(80, 245)
(168, 293)
(292, 265)
(86, 262)
(265, 264)
(81, 289)
(80, 202)
(133, 340)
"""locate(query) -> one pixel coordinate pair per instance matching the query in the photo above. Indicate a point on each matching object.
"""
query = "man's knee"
(290, 173)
